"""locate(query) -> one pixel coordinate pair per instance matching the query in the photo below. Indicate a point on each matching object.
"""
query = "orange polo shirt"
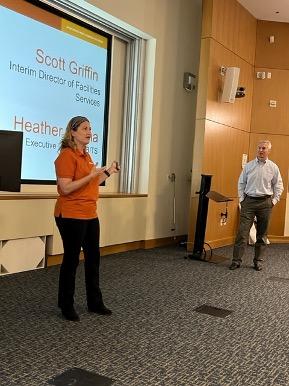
(80, 204)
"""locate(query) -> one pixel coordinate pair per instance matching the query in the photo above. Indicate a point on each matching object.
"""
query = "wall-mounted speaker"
(230, 85)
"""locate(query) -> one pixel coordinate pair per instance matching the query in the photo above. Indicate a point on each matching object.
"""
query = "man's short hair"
(268, 143)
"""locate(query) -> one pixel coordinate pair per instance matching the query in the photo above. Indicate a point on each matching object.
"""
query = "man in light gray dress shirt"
(260, 187)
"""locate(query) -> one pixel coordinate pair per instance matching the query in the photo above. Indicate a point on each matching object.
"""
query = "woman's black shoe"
(100, 309)
(70, 314)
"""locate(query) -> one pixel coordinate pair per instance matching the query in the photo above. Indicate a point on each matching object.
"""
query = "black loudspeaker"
(10, 160)
(201, 217)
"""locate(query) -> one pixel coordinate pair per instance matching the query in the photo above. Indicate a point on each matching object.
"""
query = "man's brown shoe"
(257, 266)
(234, 265)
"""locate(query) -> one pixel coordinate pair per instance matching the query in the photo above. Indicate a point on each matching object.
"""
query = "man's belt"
(259, 197)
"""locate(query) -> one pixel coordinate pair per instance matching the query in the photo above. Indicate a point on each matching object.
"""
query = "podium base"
(197, 256)
(217, 259)
(213, 258)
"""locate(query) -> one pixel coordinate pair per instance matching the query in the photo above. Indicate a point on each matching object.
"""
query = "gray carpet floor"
(154, 337)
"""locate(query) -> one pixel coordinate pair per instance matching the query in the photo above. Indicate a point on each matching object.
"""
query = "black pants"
(77, 234)
(251, 208)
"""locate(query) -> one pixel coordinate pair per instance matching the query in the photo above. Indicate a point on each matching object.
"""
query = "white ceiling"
(274, 10)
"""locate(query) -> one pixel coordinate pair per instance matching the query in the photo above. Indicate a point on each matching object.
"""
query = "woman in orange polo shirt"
(78, 181)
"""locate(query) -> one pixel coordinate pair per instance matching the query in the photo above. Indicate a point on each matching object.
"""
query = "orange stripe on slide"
(33, 11)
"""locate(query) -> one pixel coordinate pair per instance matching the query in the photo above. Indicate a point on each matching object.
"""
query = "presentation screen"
(52, 68)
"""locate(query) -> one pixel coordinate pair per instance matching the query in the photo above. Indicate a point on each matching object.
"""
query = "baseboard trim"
(213, 243)
(278, 239)
(155, 243)
(125, 247)
(220, 243)
(230, 241)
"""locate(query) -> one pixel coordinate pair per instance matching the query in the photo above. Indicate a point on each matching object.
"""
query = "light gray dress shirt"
(260, 178)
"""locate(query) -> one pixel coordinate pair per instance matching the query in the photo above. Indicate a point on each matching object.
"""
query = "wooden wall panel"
(235, 28)
(203, 79)
(272, 55)
(223, 156)
(246, 35)
(271, 119)
(229, 37)
(207, 8)
(225, 31)
(277, 223)
(280, 146)
(286, 221)
(273, 123)
(236, 114)
(217, 234)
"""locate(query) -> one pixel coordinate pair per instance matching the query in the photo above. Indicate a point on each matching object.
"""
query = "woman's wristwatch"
(107, 173)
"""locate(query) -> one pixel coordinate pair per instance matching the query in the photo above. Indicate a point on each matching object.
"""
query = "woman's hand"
(68, 186)
(106, 172)
(95, 171)
(114, 167)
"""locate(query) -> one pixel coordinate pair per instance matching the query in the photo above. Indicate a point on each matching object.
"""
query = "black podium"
(199, 252)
